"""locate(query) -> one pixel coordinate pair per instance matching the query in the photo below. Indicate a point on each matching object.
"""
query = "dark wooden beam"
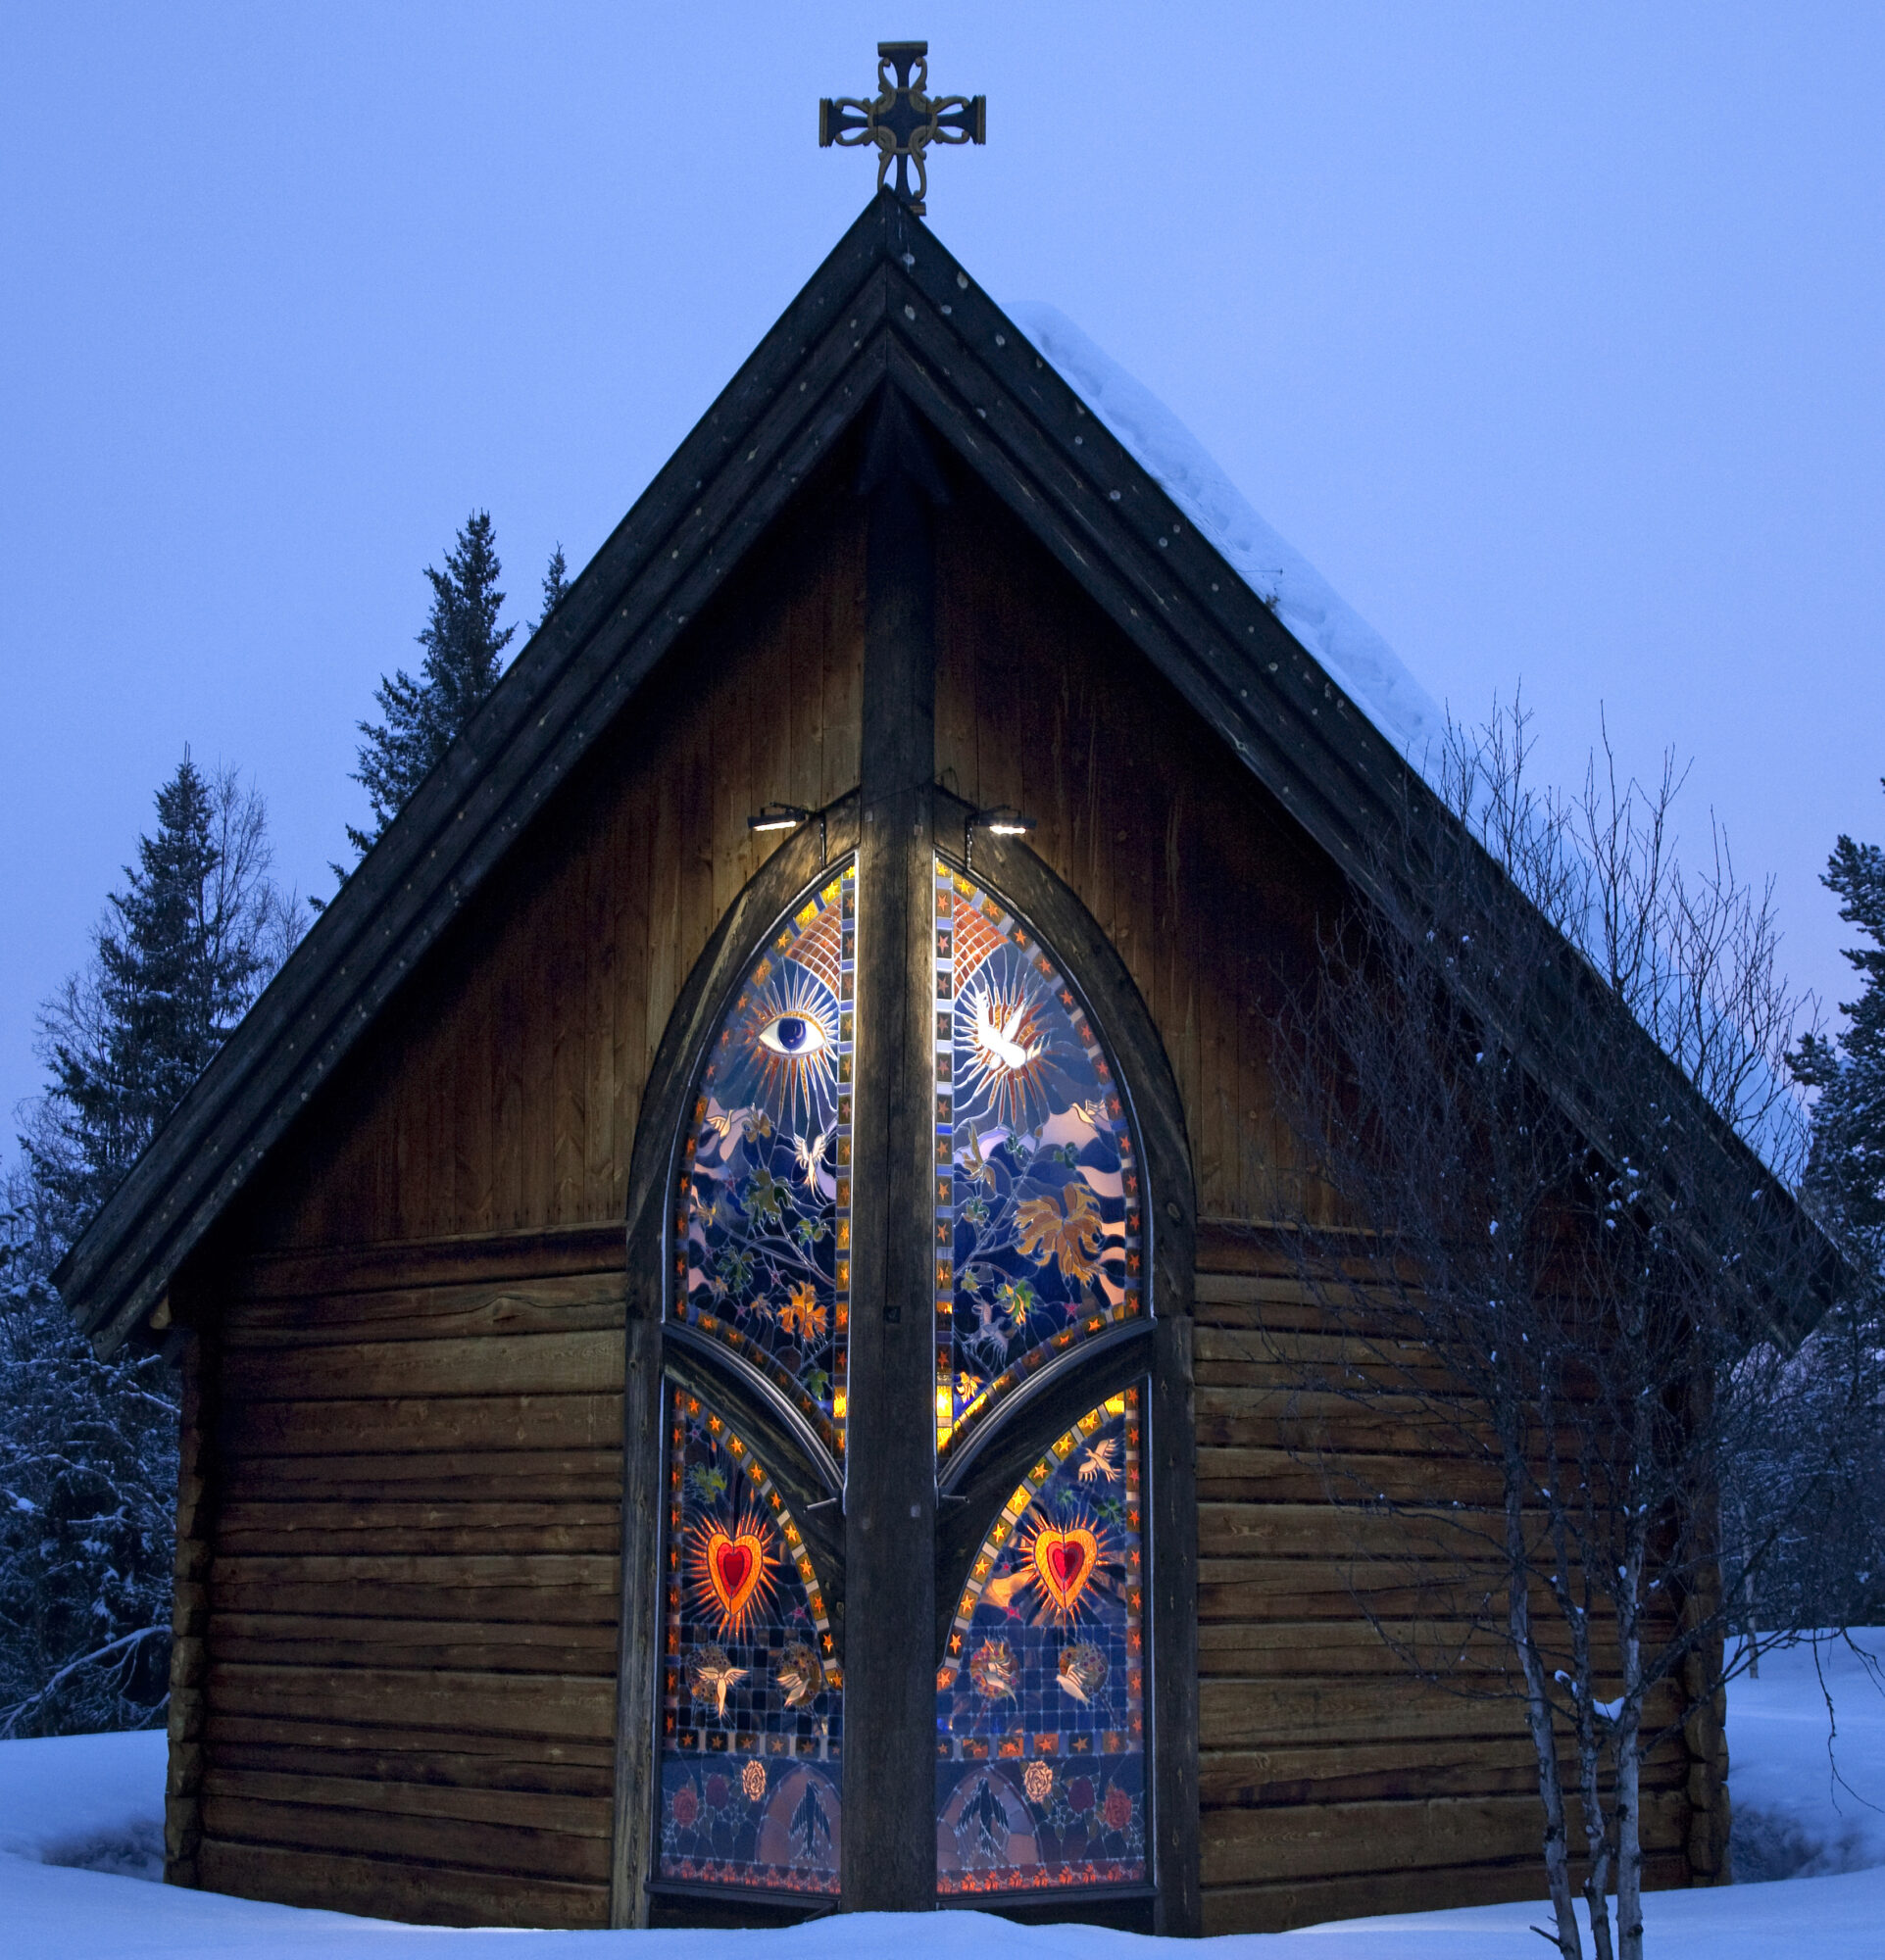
(889, 1854)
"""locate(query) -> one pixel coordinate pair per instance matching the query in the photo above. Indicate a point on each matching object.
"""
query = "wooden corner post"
(888, 1860)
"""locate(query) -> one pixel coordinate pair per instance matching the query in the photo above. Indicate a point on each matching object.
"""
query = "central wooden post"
(889, 1861)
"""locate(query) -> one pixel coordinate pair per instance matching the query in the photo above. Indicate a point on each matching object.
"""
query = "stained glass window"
(1038, 1228)
(763, 1238)
(752, 1696)
(1040, 1699)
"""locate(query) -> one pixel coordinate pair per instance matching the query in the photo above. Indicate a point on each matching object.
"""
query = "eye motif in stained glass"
(752, 1714)
(1038, 1216)
(762, 1258)
(1040, 1699)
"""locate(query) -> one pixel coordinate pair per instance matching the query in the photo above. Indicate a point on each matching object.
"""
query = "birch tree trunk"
(1544, 1741)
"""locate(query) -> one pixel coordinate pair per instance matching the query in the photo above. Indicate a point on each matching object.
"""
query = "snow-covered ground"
(78, 1814)
(1809, 1782)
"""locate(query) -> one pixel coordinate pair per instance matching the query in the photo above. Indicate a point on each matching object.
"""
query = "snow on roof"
(1352, 652)
(1355, 655)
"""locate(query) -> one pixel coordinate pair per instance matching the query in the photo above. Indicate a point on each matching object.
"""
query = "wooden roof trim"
(737, 469)
(888, 303)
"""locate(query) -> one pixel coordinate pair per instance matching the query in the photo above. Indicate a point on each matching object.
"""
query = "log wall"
(410, 1626)
(1332, 1782)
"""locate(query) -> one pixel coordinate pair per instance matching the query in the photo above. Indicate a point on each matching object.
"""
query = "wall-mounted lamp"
(1004, 820)
(788, 817)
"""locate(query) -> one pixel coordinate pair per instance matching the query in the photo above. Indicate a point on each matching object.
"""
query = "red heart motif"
(1064, 1560)
(733, 1565)
(732, 1562)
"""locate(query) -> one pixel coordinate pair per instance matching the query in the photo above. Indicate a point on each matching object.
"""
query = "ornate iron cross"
(904, 119)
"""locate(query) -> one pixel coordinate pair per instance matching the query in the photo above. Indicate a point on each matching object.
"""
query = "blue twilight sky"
(1552, 335)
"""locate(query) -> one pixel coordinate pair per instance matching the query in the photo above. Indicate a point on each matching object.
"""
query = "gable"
(1205, 884)
(888, 308)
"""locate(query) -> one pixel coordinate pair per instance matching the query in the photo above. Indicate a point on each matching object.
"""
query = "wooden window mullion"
(888, 1858)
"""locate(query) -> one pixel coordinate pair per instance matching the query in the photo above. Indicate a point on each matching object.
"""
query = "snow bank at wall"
(1355, 657)
(91, 1800)
(1806, 1761)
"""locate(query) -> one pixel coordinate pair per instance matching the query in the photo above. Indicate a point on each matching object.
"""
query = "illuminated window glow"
(763, 1228)
(1040, 1699)
(752, 1694)
(1038, 1226)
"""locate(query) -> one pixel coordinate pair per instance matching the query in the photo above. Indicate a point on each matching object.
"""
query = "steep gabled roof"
(889, 306)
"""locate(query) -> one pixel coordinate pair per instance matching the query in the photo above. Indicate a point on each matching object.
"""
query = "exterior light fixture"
(788, 817)
(1004, 820)
(779, 816)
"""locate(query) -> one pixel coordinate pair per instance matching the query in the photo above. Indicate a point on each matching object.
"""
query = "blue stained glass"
(763, 1258)
(1038, 1213)
(752, 1696)
(1040, 1699)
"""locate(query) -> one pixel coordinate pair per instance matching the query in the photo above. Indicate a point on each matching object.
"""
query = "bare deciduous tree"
(1542, 1076)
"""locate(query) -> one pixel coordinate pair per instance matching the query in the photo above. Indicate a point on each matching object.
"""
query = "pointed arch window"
(1048, 1385)
(762, 1258)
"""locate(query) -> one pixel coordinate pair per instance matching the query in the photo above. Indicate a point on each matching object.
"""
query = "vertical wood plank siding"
(500, 1091)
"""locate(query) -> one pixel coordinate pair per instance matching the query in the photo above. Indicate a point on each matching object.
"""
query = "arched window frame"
(977, 1482)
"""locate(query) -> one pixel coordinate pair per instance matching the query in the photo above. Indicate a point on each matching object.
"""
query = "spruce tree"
(182, 951)
(464, 656)
(88, 1448)
(1848, 1168)
(556, 582)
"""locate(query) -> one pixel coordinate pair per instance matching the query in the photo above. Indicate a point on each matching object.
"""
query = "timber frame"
(892, 354)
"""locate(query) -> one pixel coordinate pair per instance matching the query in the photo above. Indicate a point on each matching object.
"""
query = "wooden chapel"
(715, 1289)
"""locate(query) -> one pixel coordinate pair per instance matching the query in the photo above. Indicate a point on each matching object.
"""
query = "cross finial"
(903, 118)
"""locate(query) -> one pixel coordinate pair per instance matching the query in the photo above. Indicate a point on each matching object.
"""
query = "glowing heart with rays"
(1065, 1558)
(733, 1570)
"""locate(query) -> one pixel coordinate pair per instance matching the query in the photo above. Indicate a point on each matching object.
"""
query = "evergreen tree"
(1836, 1576)
(88, 1448)
(464, 655)
(1848, 1168)
(182, 953)
(556, 582)
(87, 1499)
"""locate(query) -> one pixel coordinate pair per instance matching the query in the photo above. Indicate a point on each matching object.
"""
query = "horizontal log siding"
(410, 1676)
(1330, 1781)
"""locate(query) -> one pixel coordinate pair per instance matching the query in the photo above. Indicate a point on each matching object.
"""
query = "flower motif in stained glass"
(763, 1219)
(1038, 1210)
